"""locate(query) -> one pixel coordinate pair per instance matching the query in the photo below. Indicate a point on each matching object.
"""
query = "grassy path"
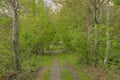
(66, 67)
(55, 71)
(59, 67)
(41, 74)
(73, 71)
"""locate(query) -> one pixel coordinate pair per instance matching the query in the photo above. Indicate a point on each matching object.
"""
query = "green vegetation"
(66, 75)
(84, 33)
(84, 71)
(47, 75)
(31, 66)
(37, 62)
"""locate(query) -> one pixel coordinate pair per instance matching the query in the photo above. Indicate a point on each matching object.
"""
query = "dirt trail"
(41, 74)
(73, 71)
(55, 71)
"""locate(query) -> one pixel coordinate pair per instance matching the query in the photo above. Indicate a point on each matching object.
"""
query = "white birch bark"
(15, 4)
(108, 36)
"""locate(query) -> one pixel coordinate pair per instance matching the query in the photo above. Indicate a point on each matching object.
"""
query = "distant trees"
(86, 29)
(117, 2)
(39, 34)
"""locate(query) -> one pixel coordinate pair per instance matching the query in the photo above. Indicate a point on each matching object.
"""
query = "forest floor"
(73, 71)
(62, 67)
(66, 67)
(41, 73)
(55, 71)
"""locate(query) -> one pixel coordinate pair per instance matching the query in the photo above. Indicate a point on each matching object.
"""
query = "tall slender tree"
(15, 34)
(107, 35)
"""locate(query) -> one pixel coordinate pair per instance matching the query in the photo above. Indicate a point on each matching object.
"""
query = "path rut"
(41, 74)
(55, 71)
(73, 72)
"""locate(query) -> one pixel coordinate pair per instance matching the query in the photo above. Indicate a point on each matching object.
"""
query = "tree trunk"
(36, 2)
(108, 36)
(96, 52)
(42, 49)
(89, 29)
(15, 35)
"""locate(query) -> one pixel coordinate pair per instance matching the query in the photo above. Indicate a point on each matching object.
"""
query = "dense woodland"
(86, 32)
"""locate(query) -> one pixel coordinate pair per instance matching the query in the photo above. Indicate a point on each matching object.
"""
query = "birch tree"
(15, 34)
(107, 35)
(98, 7)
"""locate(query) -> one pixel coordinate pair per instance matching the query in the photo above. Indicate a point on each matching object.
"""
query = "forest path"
(41, 74)
(55, 71)
(73, 71)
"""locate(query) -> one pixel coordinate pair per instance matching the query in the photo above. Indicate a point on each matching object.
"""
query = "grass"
(37, 62)
(82, 72)
(65, 73)
(73, 60)
(30, 66)
(47, 75)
